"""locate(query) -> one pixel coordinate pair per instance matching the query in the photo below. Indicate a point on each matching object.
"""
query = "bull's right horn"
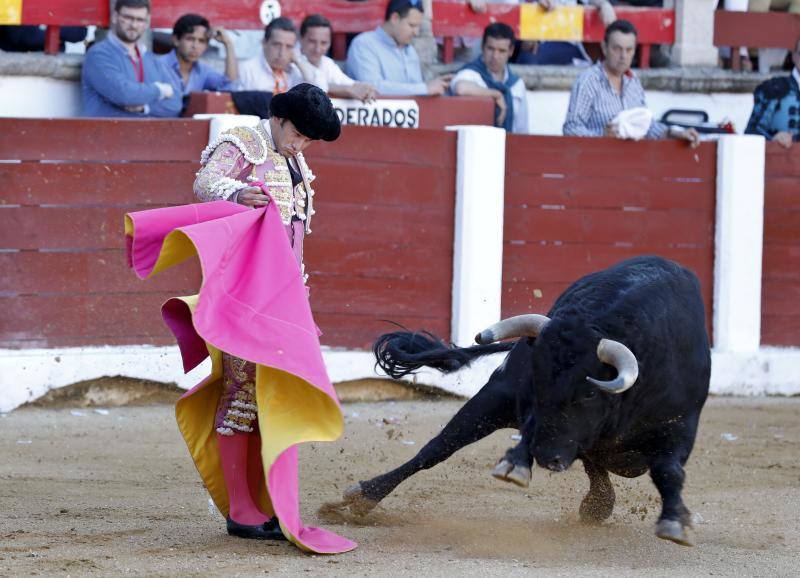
(520, 326)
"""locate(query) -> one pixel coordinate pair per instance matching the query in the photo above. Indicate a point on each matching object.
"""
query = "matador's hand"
(252, 197)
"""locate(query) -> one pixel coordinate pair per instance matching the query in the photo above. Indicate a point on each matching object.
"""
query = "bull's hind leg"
(668, 475)
(598, 503)
(491, 409)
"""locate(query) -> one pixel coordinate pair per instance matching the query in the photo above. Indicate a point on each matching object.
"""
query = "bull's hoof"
(354, 499)
(508, 472)
(673, 530)
(596, 507)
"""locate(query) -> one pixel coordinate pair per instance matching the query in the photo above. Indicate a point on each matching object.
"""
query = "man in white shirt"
(316, 34)
(489, 75)
(274, 70)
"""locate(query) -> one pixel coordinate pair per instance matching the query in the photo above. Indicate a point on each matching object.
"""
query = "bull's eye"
(590, 394)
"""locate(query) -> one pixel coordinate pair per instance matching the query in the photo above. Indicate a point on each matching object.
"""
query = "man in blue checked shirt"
(120, 78)
(385, 58)
(190, 35)
(608, 87)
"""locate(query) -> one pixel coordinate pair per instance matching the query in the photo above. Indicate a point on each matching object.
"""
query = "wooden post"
(52, 39)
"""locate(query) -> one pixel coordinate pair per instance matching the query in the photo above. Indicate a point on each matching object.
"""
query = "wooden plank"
(360, 331)
(59, 228)
(780, 262)
(46, 318)
(364, 223)
(535, 264)
(32, 272)
(458, 19)
(781, 162)
(71, 139)
(782, 226)
(347, 181)
(365, 144)
(780, 297)
(375, 258)
(756, 29)
(606, 157)
(600, 226)
(781, 192)
(110, 183)
(583, 191)
(780, 330)
(83, 341)
(415, 296)
(653, 25)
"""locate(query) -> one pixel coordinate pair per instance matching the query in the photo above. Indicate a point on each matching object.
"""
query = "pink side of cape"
(252, 304)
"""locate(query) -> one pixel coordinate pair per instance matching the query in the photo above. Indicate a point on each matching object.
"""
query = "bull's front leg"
(516, 466)
(491, 409)
(668, 476)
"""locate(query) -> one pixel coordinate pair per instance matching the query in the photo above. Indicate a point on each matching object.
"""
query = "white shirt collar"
(796, 75)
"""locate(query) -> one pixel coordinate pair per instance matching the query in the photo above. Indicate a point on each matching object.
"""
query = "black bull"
(616, 375)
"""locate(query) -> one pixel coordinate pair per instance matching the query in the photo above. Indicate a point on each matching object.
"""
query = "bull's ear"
(620, 357)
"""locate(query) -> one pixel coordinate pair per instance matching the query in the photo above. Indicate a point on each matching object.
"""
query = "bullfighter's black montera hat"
(310, 111)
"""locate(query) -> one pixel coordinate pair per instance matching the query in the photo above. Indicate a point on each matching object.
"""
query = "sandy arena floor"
(94, 494)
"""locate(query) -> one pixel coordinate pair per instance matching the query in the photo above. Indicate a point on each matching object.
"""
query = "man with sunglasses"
(776, 111)
(121, 79)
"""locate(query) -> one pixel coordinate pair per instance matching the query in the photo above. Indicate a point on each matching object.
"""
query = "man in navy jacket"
(119, 78)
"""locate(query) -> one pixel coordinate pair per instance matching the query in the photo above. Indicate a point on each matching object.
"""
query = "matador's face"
(288, 140)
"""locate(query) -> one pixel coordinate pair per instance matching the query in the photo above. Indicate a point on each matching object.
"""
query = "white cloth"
(328, 73)
(256, 74)
(519, 97)
(633, 123)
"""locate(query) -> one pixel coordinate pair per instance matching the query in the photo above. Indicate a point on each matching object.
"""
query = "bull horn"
(522, 325)
(616, 354)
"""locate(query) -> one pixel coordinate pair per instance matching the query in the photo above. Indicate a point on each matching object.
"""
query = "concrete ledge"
(26, 375)
(68, 67)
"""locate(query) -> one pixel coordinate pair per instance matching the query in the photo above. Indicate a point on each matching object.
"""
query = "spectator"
(776, 112)
(608, 87)
(190, 36)
(31, 38)
(275, 70)
(119, 78)
(564, 53)
(385, 58)
(489, 75)
(316, 34)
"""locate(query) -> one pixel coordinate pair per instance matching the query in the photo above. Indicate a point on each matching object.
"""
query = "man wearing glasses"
(776, 112)
(119, 78)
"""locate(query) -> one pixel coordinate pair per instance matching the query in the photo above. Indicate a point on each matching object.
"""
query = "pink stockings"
(240, 455)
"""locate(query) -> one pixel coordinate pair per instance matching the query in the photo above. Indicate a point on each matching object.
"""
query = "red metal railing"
(452, 18)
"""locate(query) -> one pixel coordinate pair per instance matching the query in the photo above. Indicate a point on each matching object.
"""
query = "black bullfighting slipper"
(269, 530)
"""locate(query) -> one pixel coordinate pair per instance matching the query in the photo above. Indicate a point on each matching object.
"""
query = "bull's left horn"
(616, 354)
(522, 325)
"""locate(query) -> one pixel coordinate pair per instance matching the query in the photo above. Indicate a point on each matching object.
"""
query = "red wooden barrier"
(435, 112)
(381, 248)
(575, 205)
(780, 289)
(755, 30)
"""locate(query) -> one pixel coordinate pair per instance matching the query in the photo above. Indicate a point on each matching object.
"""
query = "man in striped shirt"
(608, 87)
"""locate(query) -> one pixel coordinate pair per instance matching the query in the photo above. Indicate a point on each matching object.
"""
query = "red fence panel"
(780, 281)
(65, 186)
(382, 247)
(577, 205)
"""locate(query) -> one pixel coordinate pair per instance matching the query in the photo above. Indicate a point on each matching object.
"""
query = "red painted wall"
(780, 289)
(577, 205)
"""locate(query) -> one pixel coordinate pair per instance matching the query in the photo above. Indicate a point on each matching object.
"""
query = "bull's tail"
(402, 352)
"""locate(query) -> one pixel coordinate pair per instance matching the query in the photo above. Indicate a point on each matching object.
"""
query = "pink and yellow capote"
(252, 304)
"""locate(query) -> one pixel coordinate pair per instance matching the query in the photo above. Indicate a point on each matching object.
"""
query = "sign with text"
(382, 112)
